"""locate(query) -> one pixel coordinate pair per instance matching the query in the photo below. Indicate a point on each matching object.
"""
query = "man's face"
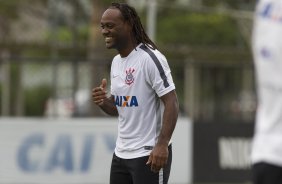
(115, 30)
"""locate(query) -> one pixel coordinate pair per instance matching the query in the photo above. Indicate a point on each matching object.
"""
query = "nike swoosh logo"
(114, 76)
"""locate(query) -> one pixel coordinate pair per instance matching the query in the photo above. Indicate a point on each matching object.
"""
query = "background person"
(267, 48)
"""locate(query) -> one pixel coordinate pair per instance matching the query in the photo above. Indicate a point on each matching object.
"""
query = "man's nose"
(104, 31)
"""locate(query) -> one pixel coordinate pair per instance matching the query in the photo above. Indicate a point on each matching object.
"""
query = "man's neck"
(126, 51)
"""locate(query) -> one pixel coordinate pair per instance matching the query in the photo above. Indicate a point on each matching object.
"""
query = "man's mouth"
(108, 39)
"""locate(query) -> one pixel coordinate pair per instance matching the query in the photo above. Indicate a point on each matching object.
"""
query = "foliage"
(197, 29)
(66, 35)
(35, 100)
(230, 3)
(1, 91)
(8, 9)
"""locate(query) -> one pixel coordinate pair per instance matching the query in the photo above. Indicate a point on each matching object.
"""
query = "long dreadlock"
(130, 15)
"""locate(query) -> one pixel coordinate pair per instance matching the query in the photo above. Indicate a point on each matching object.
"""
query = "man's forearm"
(169, 119)
(169, 122)
(109, 107)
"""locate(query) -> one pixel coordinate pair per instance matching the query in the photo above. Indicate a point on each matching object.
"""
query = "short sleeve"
(158, 73)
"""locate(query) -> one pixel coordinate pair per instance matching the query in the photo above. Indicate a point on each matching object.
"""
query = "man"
(267, 48)
(142, 96)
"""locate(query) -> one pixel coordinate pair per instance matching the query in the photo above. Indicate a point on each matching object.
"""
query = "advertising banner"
(73, 151)
(221, 152)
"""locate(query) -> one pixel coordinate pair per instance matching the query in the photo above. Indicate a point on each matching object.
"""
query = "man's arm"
(108, 106)
(99, 95)
(169, 117)
(159, 155)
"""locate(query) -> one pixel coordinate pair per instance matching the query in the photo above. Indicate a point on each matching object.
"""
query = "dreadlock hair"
(130, 15)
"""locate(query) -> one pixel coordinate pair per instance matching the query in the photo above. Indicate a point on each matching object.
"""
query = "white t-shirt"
(137, 82)
(267, 49)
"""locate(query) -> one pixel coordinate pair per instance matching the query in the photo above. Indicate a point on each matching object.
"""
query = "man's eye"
(109, 26)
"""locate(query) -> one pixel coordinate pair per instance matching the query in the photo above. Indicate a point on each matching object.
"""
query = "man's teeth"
(107, 39)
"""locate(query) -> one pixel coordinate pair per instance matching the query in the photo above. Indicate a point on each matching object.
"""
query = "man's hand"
(158, 158)
(99, 94)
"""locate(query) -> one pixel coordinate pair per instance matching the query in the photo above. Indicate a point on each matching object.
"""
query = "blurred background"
(52, 54)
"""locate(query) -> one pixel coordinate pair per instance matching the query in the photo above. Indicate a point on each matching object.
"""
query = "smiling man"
(142, 96)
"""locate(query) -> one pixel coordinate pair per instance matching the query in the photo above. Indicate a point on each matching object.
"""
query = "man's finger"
(96, 89)
(99, 101)
(149, 160)
(103, 83)
(99, 93)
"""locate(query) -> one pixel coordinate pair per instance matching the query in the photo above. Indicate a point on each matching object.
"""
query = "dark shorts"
(264, 173)
(135, 171)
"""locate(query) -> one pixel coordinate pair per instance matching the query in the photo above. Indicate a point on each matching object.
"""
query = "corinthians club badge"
(129, 76)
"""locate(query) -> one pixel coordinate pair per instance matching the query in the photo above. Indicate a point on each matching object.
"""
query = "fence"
(208, 91)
